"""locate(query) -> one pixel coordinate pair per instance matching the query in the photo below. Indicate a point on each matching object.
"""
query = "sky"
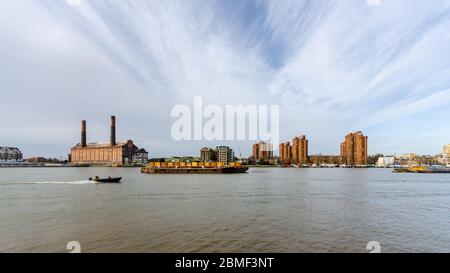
(379, 66)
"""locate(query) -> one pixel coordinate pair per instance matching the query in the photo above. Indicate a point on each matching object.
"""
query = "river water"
(266, 210)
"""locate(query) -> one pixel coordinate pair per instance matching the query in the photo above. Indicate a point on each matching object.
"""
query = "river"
(265, 210)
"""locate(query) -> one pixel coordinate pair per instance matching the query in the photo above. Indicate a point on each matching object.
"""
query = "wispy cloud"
(73, 2)
(333, 66)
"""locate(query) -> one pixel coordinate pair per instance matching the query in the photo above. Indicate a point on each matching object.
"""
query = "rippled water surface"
(266, 210)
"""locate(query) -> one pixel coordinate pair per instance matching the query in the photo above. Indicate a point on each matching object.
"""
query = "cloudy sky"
(380, 66)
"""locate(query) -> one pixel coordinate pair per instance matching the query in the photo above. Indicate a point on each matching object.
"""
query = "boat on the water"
(194, 168)
(422, 169)
(106, 180)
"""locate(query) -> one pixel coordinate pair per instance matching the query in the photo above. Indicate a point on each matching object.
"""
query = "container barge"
(193, 168)
(422, 169)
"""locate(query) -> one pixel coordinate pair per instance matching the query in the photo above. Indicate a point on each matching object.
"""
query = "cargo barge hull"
(421, 170)
(224, 170)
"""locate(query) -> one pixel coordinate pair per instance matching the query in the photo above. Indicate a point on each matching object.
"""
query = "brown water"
(266, 210)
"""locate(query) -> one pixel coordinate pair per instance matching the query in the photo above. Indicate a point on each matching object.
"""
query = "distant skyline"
(334, 67)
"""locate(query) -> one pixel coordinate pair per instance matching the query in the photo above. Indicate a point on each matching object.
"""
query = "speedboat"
(106, 180)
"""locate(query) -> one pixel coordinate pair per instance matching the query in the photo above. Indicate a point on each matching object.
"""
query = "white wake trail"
(61, 183)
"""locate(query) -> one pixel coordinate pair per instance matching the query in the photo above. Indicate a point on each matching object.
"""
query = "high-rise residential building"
(354, 149)
(255, 151)
(300, 150)
(281, 151)
(262, 151)
(447, 151)
(285, 152)
(225, 154)
(208, 154)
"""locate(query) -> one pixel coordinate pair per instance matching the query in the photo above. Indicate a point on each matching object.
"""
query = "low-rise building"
(319, 160)
(408, 156)
(386, 161)
(140, 157)
(417, 160)
(175, 159)
(208, 155)
(37, 159)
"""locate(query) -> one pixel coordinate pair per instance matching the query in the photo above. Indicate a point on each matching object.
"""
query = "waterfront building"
(320, 160)
(262, 151)
(354, 149)
(281, 152)
(285, 152)
(208, 155)
(446, 155)
(447, 151)
(408, 156)
(300, 150)
(385, 161)
(140, 157)
(10, 155)
(255, 152)
(176, 159)
(224, 154)
(110, 153)
(36, 159)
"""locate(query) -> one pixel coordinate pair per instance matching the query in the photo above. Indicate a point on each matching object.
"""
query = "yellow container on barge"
(194, 168)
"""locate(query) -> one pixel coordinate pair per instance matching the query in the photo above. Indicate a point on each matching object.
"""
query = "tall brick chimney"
(113, 131)
(83, 133)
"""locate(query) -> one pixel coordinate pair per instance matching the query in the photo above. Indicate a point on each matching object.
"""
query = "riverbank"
(61, 166)
(35, 166)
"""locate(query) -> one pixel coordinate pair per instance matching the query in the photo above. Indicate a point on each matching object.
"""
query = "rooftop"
(9, 150)
(103, 144)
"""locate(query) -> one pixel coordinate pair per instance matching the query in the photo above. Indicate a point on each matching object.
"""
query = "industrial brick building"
(110, 153)
(354, 149)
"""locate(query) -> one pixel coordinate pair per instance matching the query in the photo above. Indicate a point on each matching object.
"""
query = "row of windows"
(10, 156)
(97, 155)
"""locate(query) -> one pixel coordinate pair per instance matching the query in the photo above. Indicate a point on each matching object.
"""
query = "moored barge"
(422, 169)
(193, 168)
